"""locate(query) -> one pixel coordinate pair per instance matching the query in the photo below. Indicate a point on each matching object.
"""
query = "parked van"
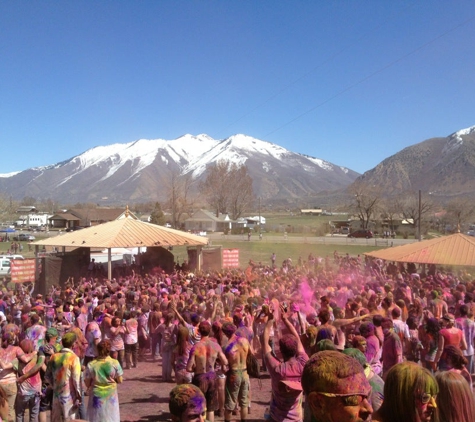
(4, 267)
(5, 264)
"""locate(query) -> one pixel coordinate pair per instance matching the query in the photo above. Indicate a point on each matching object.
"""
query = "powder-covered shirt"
(131, 334)
(64, 374)
(286, 403)
(36, 333)
(93, 332)
(31, 385)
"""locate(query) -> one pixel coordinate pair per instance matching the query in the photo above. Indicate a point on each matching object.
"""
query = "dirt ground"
(143, 396)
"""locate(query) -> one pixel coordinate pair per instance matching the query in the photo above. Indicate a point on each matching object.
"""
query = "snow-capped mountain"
(140, 171)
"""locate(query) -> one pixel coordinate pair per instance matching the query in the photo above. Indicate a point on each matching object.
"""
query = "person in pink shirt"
(287, 395)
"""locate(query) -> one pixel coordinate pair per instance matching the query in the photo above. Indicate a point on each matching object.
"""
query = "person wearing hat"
(64, 375)
(451, 336)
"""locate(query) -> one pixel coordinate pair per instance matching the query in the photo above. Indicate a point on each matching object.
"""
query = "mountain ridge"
(137, 169)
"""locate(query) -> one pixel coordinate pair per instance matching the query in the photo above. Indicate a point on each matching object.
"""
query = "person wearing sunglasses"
(410, 394)
(336, 388)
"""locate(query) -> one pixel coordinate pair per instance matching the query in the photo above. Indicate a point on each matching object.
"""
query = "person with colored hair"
(455, 401)
(29, 390)
(336, 388)
(101, 378)
(457, 362)
(287, 397)
(375, 381)
(64, 375)
(187, 404)
(237, 379)
(410, 393)
(180, 356)
(8, 381)
(203, 357)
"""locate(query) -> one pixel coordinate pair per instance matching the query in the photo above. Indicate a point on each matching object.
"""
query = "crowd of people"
(341, 339)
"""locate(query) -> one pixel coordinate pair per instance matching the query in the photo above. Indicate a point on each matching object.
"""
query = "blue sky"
(350, 82)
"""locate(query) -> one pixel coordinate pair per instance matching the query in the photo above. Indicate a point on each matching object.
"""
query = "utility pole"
(419, 234)
(259, 217)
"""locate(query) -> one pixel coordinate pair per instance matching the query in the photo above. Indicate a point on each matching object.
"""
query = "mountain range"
(442, 167)
(140, 171)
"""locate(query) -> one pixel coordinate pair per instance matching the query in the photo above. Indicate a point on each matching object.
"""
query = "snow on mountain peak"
(10, 174)
(455, 140)
(462, 132)
(250, 144)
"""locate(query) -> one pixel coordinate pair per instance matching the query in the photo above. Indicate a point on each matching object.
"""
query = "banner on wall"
(23, 270)
(230, 258)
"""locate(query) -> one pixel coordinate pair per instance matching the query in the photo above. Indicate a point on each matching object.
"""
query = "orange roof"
(124, 233)
(456, 249)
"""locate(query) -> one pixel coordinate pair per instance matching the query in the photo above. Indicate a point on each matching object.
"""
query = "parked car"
(24, 237)
(368, 234)
(471, 232)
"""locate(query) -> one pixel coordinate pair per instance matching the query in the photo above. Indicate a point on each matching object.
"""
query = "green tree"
(158, 217)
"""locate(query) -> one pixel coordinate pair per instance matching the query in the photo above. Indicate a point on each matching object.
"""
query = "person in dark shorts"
(203, 357)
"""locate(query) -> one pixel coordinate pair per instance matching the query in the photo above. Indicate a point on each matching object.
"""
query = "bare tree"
(179, 199)
(389, 211)
(365, 203)
(460, 210)
(228, 188)
(413, 210)
(241, 193)
(6, 209)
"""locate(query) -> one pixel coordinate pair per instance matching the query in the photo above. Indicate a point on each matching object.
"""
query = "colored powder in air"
(306, 293)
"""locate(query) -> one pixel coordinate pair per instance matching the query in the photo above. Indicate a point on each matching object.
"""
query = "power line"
(320, 65)
(382, 69)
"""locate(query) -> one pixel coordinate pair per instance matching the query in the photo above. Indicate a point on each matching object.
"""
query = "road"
(324, 240)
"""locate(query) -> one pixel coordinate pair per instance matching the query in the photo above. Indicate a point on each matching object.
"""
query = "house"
(32, 220)
(30, 217)
(251, 222)
(86, 217)
(203, 220)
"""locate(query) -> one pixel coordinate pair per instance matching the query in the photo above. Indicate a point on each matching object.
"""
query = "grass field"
(262, 251)
(255, 250)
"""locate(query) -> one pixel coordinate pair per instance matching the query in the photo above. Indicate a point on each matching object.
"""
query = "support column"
(109, 263)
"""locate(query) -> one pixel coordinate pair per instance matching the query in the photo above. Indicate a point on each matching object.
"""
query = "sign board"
(23, 270)
(230, 258)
